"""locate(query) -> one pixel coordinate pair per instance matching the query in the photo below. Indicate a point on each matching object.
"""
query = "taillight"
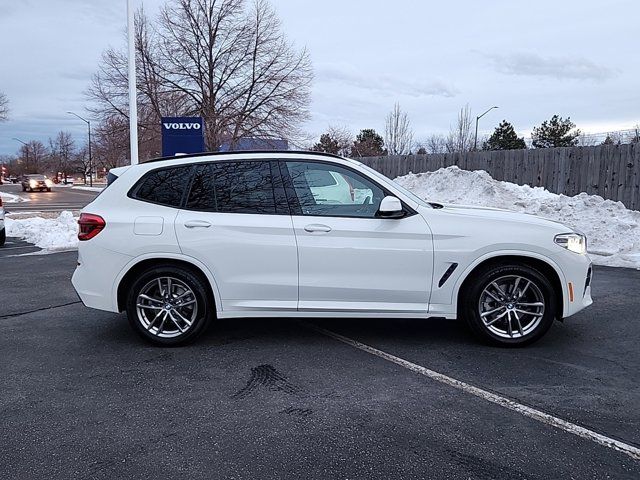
(90, 226)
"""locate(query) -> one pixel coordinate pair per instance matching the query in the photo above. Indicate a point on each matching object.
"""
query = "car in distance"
(180, 241)
(31, 183)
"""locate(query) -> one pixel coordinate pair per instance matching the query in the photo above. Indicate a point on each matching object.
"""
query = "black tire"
(48, 189)
(3, 236)
(24, 189)
(204, 303)
(472, 296)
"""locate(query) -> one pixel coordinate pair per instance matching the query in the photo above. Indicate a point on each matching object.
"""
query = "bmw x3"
(178, 242)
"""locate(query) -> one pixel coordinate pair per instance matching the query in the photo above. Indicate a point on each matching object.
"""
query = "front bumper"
(578, 274)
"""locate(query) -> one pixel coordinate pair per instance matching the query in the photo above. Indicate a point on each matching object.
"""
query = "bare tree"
(32, 157)
(398, 136)
(111, 144)
(460, 137)
(435, 143)
(61, 150)
(81, 160)
(224, 60)
(4, 107)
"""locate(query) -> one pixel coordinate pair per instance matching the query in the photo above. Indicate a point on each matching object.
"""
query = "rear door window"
(233, 187)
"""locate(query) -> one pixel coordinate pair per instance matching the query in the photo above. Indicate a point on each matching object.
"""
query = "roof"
(243, 152)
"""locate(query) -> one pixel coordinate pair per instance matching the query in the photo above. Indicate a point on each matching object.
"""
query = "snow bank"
(50, 234)
(11, 198)
(613, 231)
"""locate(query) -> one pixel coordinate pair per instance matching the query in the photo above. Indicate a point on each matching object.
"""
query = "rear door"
(236, 221)
(350, 260)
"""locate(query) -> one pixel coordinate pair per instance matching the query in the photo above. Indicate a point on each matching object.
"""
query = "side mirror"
(391, 207)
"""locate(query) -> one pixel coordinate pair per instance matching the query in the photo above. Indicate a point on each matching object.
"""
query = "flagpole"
(133, 106)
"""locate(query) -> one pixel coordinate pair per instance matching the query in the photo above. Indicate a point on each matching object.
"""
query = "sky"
(531, 59)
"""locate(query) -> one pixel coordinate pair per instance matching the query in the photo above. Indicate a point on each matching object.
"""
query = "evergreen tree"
(504, 137)
(557, 132)
(368, 144)
(327, 144)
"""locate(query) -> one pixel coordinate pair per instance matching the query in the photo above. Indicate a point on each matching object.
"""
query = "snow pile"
(613, 231)
(50, 234)
(11, 198)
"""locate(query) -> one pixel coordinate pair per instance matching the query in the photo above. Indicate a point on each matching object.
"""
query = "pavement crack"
(18, 314)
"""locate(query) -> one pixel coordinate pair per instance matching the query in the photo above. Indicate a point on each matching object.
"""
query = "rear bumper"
(94, 277)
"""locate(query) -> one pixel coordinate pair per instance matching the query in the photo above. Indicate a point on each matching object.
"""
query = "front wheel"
(509, 305)
(169, 306)
(3, 236)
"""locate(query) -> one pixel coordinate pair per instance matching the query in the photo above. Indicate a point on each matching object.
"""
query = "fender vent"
(447, 274)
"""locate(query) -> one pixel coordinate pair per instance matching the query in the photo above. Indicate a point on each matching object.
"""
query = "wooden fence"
(611, 171)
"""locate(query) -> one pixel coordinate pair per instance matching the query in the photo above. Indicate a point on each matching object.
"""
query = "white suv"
(178, 242)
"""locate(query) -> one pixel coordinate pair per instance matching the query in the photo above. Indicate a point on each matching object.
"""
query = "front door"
(349, 259)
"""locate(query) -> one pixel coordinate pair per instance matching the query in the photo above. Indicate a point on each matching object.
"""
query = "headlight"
(48, 182)
(33, 183)
(574, 242)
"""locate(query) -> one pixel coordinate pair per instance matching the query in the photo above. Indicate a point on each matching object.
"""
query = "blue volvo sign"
(182, 135)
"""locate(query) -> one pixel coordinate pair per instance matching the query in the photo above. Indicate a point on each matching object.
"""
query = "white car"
(179, 242)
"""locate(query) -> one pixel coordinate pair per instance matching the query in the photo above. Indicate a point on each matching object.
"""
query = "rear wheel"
(3, 236)
(169, 306)
(509, 305)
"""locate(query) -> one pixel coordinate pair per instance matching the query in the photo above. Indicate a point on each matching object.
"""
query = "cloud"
(382, 84)
(530, 64)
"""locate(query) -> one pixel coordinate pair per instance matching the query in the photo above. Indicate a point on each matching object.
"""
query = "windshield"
(36, 177)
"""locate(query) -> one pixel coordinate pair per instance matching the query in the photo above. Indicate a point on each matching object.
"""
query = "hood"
(500, 214)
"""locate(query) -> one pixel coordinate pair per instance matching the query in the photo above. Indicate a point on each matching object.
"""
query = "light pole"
(475, 140)
(90, 162)
(26, 149)
(133, 104)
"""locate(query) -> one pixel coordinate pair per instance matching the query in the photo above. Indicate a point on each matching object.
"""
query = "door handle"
(197, 224)
(317, 227)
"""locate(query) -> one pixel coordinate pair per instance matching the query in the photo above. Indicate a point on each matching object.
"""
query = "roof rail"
(239, 152)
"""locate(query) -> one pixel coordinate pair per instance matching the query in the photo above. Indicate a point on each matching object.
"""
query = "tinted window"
(233, 187)
(111, 178)
(202, 195)
(165, 186)
(330, 190)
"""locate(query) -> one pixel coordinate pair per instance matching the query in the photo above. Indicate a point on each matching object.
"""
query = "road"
(82, 397)
(60, 198)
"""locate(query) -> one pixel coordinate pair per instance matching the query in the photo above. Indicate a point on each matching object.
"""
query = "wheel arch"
(134, 268)
(545, 265)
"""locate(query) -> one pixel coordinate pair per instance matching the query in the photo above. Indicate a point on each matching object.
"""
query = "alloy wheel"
(511, 306)
(167, 307)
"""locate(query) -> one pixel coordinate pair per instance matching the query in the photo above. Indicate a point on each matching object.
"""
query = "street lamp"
(26, 150)
(475, 140)
(90, 163)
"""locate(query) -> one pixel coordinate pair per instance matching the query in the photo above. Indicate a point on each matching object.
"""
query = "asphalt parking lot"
(82, 397)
